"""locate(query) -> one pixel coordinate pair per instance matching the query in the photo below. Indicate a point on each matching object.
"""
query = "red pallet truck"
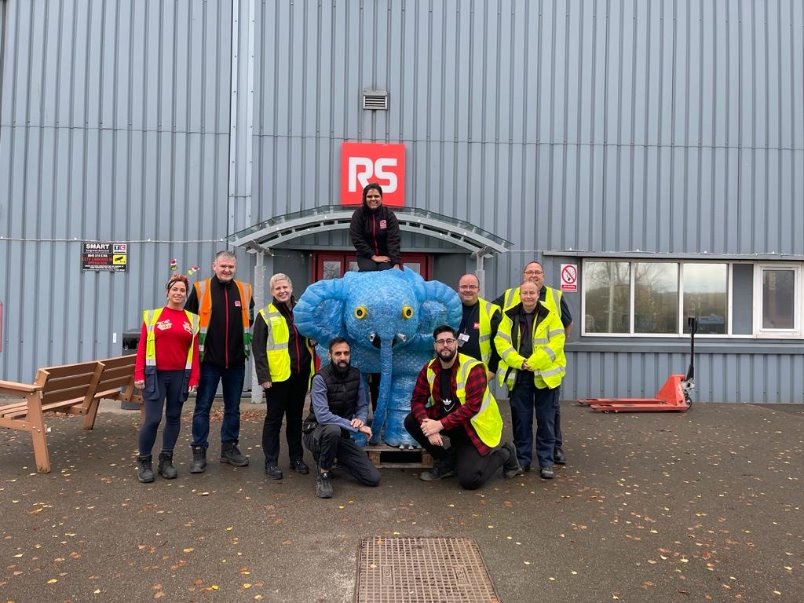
(674, 396)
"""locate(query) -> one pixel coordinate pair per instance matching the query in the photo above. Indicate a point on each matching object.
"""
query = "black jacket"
(223, 344)
(375, 232)
(298, 345)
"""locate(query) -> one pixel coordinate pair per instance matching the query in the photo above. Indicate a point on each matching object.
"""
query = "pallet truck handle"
(692, 323)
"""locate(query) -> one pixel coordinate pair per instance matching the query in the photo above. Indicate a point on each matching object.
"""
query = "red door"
(329, 264)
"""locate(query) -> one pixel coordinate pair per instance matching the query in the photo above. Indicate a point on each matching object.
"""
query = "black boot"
(145, 471)
(166, 468)
(199, 464)
(230, 454)
(511, 468)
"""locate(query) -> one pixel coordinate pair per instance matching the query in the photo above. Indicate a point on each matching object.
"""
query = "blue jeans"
(232, 379)
(524, 399)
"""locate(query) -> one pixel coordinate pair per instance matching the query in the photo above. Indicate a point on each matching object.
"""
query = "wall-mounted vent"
(375, 100)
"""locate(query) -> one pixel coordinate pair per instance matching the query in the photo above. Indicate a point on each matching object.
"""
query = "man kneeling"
(340, 406)
(452, 399)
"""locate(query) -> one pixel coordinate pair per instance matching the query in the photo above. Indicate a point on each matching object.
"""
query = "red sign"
(569, 278)
(362, 163)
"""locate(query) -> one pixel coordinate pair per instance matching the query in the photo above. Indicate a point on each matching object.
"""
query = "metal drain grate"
(422, 570)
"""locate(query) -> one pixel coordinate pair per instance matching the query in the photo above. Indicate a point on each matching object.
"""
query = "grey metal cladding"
(113, 126)
(614, 125)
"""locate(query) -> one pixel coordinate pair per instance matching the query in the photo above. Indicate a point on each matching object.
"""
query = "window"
(607, 296)
(655, 298)
(622, 297)
(778, 292)
(706, 295)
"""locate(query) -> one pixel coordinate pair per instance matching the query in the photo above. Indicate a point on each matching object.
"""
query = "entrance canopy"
(266, 235)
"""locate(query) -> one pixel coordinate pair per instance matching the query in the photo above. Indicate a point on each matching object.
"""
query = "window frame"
(761, 332)
(757, 331)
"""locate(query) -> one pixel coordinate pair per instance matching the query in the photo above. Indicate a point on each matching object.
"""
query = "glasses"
(534, 272)
(445, 341)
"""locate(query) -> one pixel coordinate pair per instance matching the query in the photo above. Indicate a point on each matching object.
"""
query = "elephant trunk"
(383, 399)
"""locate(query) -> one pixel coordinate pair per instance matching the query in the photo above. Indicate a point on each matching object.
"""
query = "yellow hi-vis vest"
(150, 318)
(488, 421)
(204, 296)
(552, 299)
(487, 310)
(547, 359)
(276, 346)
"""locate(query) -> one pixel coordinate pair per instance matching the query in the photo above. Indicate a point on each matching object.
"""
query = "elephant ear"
(440, 306)
(319, 311)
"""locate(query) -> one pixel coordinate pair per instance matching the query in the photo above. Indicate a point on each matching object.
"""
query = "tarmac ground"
(697, 506)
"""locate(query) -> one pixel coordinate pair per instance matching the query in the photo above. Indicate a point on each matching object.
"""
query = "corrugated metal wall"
(114, 127)
(773, 378)
(612, 125)
(666, 126)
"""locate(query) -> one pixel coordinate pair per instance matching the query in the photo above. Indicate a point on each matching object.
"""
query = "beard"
(447, 354)
(342, 367)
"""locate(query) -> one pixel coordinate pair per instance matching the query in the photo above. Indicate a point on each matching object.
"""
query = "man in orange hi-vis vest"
(225, 308)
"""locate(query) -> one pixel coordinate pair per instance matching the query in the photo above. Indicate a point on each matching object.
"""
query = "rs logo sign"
(362, 163)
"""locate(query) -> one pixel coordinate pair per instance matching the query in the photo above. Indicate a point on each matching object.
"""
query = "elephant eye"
(407, 312)
(361, 312)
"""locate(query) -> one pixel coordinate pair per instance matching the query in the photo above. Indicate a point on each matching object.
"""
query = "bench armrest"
(23, 388)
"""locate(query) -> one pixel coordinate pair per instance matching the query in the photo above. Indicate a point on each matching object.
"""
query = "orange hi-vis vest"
(204, 295)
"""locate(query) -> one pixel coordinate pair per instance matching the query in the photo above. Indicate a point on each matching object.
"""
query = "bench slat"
(69, 370)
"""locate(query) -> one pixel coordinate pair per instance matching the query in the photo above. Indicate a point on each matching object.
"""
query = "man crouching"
(340, 406)
(451, 398)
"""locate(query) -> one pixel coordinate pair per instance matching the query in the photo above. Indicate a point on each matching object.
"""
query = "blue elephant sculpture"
(388, 318)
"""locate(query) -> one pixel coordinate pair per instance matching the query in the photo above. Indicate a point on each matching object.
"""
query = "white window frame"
(681, 318)
(759, 330)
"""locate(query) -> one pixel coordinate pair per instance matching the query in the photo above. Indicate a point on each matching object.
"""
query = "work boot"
(166, 468)
(145, 471)
(230, 454)
(511, 468)
(547, 473)
(199, 464)
(441, 469)
(272, 470)
(323, 485)
(558, 456)
(299, 466)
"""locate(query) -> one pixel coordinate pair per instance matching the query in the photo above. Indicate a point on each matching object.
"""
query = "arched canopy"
(266, 235)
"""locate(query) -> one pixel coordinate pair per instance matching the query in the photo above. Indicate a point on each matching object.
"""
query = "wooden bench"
(74, 389)
(69, 388)
(117, 380)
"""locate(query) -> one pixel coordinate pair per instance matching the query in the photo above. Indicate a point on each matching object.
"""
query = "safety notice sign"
(106, 257)
(569, 278)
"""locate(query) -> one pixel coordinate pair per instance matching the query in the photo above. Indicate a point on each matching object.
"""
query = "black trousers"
(327, 442)
(284, 399)
(369, 265)
(473, 468)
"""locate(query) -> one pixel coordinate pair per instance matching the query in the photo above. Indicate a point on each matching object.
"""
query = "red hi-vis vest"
(204, 295)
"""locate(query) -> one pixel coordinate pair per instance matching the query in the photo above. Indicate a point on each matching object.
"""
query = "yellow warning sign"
(119, 259)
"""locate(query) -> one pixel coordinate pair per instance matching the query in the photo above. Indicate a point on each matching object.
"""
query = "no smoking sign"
(569, 278)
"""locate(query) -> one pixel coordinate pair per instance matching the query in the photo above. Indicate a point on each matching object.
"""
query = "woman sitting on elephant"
(375, 233)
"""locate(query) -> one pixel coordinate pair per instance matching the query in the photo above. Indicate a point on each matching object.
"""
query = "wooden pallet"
(387, 457)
